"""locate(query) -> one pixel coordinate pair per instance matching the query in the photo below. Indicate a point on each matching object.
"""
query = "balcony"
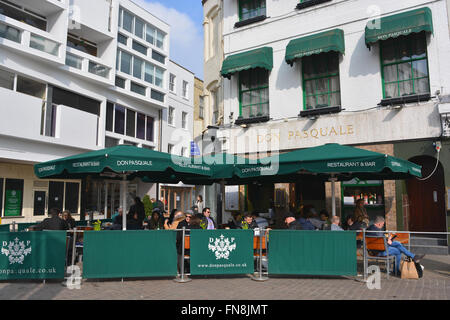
(29, 40)
(44, 7)
(85, 19)
(31, 118)
(89, 66)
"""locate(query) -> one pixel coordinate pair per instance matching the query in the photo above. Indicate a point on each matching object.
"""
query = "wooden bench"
(379, 244)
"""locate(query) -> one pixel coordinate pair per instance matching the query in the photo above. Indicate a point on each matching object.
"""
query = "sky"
(185, 18)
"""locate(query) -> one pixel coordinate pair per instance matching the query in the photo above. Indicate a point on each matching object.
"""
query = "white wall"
(360, 75)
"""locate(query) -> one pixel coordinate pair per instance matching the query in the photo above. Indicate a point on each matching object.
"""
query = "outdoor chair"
(378, 244)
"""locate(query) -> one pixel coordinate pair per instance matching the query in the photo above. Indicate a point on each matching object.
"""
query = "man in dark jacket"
(292, 223)
(136, 215)
(52, 223)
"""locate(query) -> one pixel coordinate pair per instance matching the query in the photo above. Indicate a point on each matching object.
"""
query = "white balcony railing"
(87, 63)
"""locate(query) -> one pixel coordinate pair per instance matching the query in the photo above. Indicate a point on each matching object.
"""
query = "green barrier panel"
(221, 252)
(32, 255)
(4, 228)
(301, 252)
(128, 254)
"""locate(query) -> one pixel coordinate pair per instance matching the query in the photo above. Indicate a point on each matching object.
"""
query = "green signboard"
(305, 252)
(13, 203)
(221, 252)
(32, 255)
(129, 254)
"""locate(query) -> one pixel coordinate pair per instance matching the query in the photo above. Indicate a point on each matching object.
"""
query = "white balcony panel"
(93, 19)
(43, 7)
(21, 114)
(76, 128)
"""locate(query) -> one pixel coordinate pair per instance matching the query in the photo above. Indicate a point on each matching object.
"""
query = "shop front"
(178, 196)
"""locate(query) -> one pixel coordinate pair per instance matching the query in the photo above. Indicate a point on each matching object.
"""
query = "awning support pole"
(333, 180)
(124, 183)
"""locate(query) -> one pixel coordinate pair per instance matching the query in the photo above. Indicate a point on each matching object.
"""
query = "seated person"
(335, 224)
(248, 222)
(395, 248)
(52, 223)
(292, 223)
(352, 225)
(305, 223)
(68, 218)
(155, 222)
(260, 221)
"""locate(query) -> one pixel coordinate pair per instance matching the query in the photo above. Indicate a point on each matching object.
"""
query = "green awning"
(332, 40)
(399, 25)
(258, 58)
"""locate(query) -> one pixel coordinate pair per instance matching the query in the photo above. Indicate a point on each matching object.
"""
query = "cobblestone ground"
(435, 285)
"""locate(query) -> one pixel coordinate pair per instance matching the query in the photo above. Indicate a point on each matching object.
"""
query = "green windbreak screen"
(332, 40)
(399, 25)
(258, 58)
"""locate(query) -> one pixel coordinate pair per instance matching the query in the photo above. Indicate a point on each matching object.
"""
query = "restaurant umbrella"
(330, 162)
(123, 162)
(334, 162)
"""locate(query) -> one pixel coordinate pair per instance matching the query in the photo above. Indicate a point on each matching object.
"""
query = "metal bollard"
(182, 279)
(260, 276)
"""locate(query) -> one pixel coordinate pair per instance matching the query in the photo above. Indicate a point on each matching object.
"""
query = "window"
(169, 148)
(83, 45)
(120, 82)
(158, 57)
(309, 3)
(10, 33)
(321, 86)
(149, 73)
(185, 89)
(98, 69)
(253, 93)
(139, 48)
(404, 64)
(201, 108)
(157, 95)
(7, 80)
(172, 82)
(73, 100)
(13, 197)
(125, 62)
(159, 77)
(170, 117)
(140, 126)
(183, 151)
(31, 87)
(215, 106)
(136, 88)
(127, 21)
(109, 116)
(138, 65)
(150, 128)
(150, 34)
(160, 39)
(251, 8)
(139, 28)
(131, 123)
(184, 120)
(119, 119)
(122, 39)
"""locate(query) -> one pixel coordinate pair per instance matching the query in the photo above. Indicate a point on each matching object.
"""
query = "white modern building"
(299, 74)
(178, 121)
(76, 76)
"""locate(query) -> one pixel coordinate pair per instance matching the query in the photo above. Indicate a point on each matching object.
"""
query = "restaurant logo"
(221, 247)
(16, 251)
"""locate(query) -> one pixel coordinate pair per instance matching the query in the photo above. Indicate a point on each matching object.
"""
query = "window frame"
(409, 39)
(259, 8)
(260, 89)
(315, 78)
(171, 116)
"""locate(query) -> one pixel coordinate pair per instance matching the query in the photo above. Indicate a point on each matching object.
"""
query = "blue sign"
(195, 151)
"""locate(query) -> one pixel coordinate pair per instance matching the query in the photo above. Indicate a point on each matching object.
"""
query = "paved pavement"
(435, 285)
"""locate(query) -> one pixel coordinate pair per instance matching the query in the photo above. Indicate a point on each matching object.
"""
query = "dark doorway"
(39, 203)
(427, 197)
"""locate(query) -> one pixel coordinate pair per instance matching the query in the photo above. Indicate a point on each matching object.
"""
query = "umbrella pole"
(124, 201)
(333, 195)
